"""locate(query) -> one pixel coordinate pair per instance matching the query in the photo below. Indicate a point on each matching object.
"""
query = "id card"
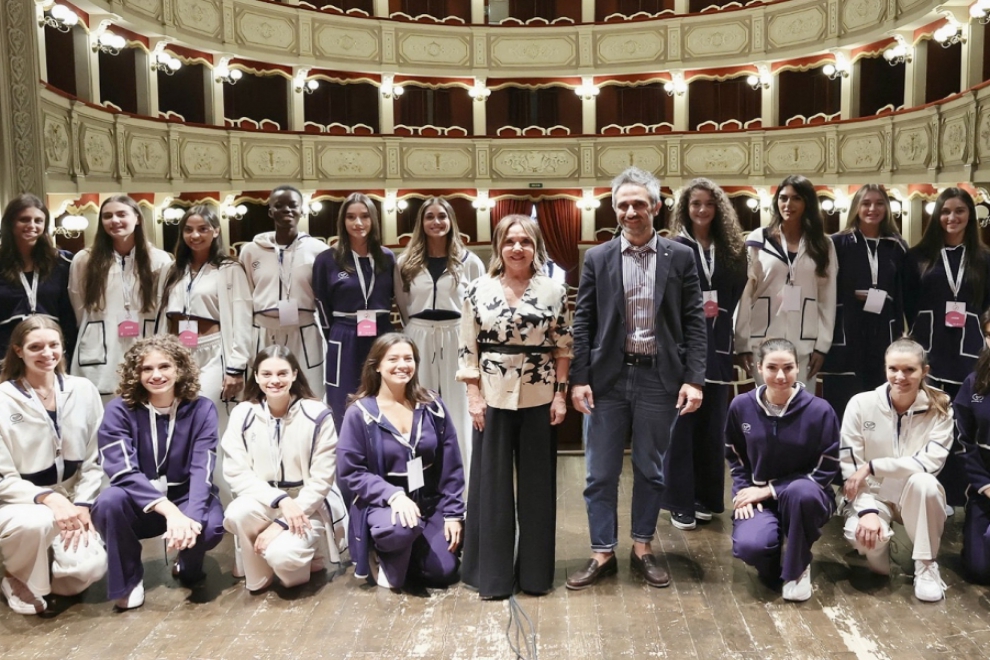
(189, 333)
(790, 298)
(414, 473)
(875, 298)
(367, 326)
(160, 484)
(288, 312)
(955, 314)
(128, 327)
(710, 299)
(890, 490)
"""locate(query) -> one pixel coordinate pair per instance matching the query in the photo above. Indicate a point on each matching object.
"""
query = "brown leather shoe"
(588, 575)
(654, 574)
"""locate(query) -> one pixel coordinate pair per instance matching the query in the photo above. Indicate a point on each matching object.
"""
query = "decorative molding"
(20, 115)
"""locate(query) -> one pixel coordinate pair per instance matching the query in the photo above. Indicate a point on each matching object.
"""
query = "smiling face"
(872, 210)
(790, 204)
(905, 372)
(285, 208)
(119, 221)
(518, 252)
(198, 234)
(29, 225)
(357, 221)
(436, 222)
(634, 212)
(275, 377)
(701, 210)
(158, 376)
(398, 365)
(41, 351)
(779, 370)
(954, 217)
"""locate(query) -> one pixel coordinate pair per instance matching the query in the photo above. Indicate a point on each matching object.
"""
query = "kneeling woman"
(782, 444)
(895, 439)
(399, 459)
(50, 472)
(158, 447)
(278, 454)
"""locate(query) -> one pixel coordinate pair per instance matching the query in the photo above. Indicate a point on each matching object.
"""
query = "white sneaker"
(20, 598)
(133, 600)
(799, 589)
(928, 585)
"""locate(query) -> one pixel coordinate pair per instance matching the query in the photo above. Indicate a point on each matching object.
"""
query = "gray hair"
(636, 177)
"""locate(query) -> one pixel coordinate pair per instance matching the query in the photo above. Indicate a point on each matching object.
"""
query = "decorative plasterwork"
(266, 31)
(202, 159)
(351, 43)
(912, 145)
(627, 48)
(437, 163)
(710, 40)
(534, 162)
(804, 155)
(793, 28)
(147, 156)
(533, 52)
(612, 160)
(350, 161)
(417, 48)
(271, 161)
(862, 153)
(860, 14)
(20, 124)
(202, 16)
(716, 159)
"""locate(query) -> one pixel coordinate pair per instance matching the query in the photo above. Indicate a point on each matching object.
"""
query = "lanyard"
(187, 303)
(414, 444)
(365, 289)
(956, 284)
(168, 434)
(31, 290)
(127, 279)
(54, 424)
(708, 270)
(274, 442)
(874, 258)
(787, 258)
(285, 276)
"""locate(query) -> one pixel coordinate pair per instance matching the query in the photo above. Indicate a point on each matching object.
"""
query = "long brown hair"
(300, 388)
(13, 364)
(371, 380)
(938, 399)
(130, 388)
(44, 254)
(102, 254)
(342, 250)
(726, 233)
(812, 224)
(414, 259)
(887, 226)
(183, 255)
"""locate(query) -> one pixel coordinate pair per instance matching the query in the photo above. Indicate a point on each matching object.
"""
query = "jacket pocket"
(839, 330)
(312, 342)
(759, 319)
(809, 319)
(92, 346)
(972, 339)
(922, 329)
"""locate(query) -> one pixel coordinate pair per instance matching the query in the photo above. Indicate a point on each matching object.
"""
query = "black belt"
(514, 349)
(285, 484)
(636, 360)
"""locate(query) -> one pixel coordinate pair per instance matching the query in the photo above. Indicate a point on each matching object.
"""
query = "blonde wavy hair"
(496, 266)
(130, 388)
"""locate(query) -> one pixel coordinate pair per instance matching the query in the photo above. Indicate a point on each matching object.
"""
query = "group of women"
(339, 415)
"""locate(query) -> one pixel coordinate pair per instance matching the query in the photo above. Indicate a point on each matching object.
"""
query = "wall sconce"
(981, 11)
(898, 53)
(56, 16)
(72, 226)
(222, 73)
(389, 89)
(760, 81)
(949, 34)
(676, 85)
(171, 215)
(929, 208)
(763, 202)
(481, 93)
(897, 209)
(232, 212)
(391, 204)
(164, 62)
(588, 201)
(839, 69)
(838, 205)
(483, 203)
(315, 207)
(587, 89)
(300, 84)
(109, 43)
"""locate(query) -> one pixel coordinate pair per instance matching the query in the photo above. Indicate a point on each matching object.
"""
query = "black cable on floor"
(524, 632)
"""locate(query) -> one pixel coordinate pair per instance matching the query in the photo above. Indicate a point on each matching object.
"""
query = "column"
(87, 65)
(479, 113)
(146, 79)
(682, 7)
(479, 15)
(587, 11)
(297, 99)
(972, 54)
(386, 113)
(911, 225)
(381, 8)
(680, 95)
(849, 103)
(390, 218)
(914, 74)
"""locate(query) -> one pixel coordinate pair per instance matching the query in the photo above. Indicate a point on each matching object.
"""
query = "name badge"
(367, 325)
(955, 314)
(288, 312)
(790, 298)
(414, 472)
(875, 299)
(160, 484)
(128, 327)
(710, 299)
(189, 333)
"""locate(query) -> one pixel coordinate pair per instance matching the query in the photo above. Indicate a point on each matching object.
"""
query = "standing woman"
(431, 280)
(353, 286)
(791, 288)
(895, 439)
(207, 303)
(515, 353)
(158, 447)
(50, 471)
(34, 275)
(782, 444)
(114, 288)
(869, 314)
(279, 267)
(705, 221)
(279, 461)
(398, 455)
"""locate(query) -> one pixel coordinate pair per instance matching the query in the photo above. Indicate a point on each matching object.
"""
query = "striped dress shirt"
(639, 283)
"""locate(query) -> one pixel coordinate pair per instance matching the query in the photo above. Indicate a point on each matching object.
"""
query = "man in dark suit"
(639, 358)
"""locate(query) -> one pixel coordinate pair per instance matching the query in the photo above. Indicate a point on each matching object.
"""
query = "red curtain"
(509, 206)
(560, 222)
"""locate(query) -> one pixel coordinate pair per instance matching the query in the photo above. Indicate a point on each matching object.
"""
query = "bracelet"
(561, 386)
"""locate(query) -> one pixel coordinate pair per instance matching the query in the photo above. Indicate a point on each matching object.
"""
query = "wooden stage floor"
(715, 608)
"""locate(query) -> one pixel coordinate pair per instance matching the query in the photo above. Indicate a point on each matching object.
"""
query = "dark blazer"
(600, 318)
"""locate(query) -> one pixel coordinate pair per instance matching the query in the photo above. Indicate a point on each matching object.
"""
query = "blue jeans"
(638, 406)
